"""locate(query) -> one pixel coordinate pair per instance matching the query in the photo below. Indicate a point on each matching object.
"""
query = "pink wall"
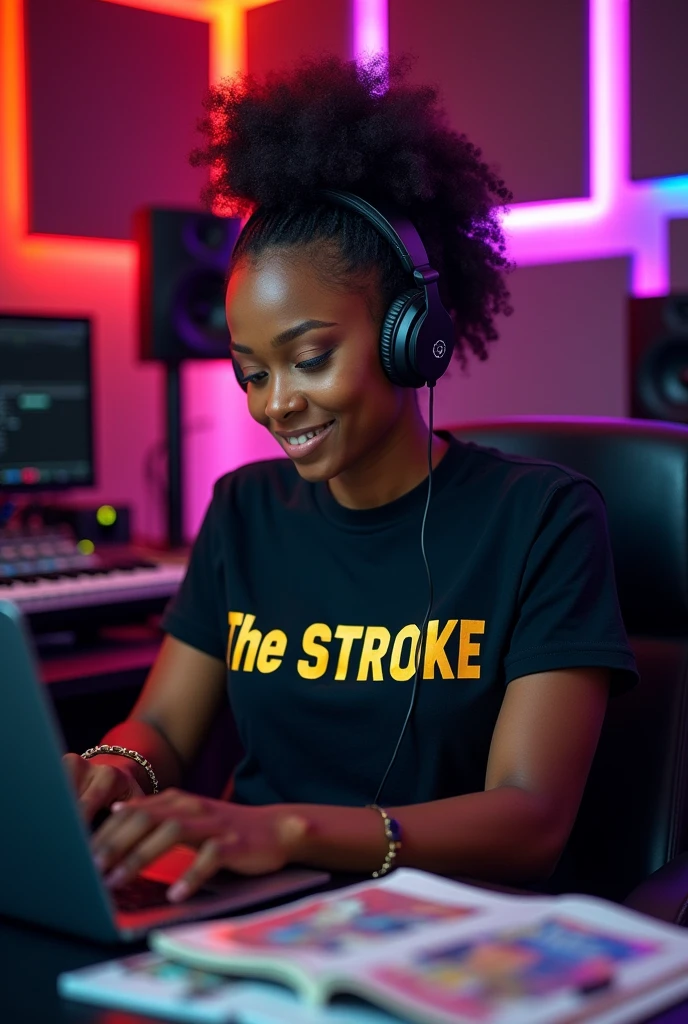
(110, 114)
(562, 352)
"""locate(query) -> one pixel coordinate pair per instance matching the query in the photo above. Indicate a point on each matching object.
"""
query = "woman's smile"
(299, 443)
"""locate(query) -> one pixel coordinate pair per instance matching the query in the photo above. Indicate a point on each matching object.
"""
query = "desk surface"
(112, 659)
(31, 959)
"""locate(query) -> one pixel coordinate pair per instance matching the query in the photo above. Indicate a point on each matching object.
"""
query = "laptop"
(49, 877)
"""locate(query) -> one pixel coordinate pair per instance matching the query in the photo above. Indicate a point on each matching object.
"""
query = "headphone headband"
(391, 224)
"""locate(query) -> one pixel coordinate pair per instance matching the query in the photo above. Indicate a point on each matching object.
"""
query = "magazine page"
(338, 933)
(286, 1008)
(567, 960)
(147, 983)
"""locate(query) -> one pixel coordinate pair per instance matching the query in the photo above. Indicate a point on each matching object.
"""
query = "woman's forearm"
(141, 736)
(503, 834)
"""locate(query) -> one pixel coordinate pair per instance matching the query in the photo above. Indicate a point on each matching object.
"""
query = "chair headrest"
(641, 468)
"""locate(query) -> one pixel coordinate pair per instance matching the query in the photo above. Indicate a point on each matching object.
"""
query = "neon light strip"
(609, 62)
(525, 217)
(227, 26)
(227, 21)
(84, 254)
(370, 27)
(56, 272)
(621, 217)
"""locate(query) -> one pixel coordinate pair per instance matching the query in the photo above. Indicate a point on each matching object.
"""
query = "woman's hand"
(101, 781)
(249, 840)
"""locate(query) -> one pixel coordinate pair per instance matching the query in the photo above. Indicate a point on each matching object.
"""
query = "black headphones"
(417, 334)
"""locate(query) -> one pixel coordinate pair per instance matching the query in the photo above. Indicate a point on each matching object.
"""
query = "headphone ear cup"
(238, 375)
(394, 354)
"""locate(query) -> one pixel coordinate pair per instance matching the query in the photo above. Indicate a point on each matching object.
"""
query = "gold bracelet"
(393, 836)
(134, 755)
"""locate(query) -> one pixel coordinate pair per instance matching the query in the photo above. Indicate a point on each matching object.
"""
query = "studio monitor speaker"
(183, 261)
(658, 358)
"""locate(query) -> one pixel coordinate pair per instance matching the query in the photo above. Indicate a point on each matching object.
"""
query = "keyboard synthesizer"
(58, 586)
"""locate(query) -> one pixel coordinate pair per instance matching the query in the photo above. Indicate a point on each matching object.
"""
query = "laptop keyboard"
(144, 893)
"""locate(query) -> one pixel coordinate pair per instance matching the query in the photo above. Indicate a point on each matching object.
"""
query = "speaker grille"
(662, 379)
(183, 260)
(658, 358)
(198, 314)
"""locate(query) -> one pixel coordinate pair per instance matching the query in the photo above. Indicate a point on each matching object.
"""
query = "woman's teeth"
(302, 438)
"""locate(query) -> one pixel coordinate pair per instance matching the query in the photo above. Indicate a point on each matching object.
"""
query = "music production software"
(45, 403)
(57, 578)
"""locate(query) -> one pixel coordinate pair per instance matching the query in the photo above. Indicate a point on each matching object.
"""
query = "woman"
(307, 582)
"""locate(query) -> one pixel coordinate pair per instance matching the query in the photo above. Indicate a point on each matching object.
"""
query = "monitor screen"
(46, 433)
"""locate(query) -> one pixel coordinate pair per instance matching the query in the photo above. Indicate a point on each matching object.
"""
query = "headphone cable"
(421, 639)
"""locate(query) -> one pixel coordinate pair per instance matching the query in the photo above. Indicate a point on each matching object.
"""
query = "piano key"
(119, 585)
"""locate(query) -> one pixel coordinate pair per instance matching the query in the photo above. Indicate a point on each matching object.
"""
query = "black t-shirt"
(316, 608)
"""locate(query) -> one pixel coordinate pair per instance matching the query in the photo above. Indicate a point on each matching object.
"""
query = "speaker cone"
(209, 238)
(662, 379)
(199, 313)
(675, 314)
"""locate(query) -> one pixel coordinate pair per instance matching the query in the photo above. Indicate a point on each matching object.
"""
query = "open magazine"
(439, 952)
(413, 946)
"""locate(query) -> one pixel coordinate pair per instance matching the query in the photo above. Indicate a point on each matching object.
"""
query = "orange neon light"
(227, 47)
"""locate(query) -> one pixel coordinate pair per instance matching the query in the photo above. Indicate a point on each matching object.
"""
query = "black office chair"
(634, 815)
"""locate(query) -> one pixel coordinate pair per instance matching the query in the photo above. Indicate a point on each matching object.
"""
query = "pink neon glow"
(86, 274)
(621, 217)
(370, 27)
(607, 118)
(609, 96)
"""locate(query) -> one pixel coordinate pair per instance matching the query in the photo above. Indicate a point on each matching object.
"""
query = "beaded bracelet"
(393, 836)
(105, 748)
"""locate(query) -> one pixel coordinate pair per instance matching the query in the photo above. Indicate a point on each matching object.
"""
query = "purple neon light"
(370, 27)
(621, 217)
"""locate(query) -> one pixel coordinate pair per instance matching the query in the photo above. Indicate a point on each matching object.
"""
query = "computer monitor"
(46, 416)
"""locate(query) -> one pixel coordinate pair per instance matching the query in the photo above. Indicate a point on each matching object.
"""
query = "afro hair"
(362, 127)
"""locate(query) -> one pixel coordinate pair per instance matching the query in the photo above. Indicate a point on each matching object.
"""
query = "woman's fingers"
(249, 851)
(98, 784)
(171, 801)
(157, 842)
(138, 831)
(251, 841)
(99, 789)
(122, 831)
(94, 798)
(154, 809)
(215, 853)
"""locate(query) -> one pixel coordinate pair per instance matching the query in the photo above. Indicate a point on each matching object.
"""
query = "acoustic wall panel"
(114, 94)
(514, 78)
(659, 88)
(678, 255)
(563, 352)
